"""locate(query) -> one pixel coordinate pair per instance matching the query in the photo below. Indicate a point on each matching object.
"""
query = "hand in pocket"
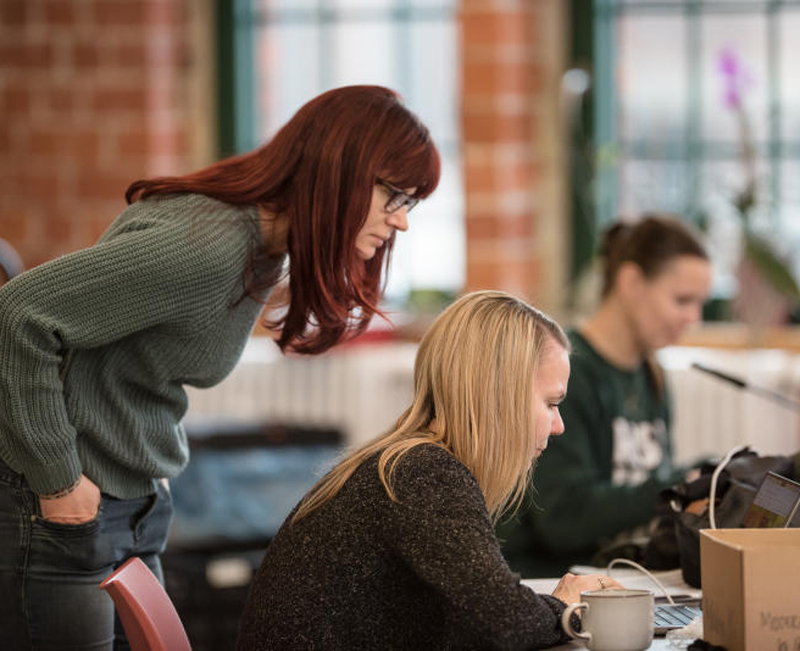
(76, 507)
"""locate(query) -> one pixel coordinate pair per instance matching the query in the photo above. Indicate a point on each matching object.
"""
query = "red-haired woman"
(96, 346)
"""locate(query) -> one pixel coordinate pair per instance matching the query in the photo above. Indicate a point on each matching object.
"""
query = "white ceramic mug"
(613, 619)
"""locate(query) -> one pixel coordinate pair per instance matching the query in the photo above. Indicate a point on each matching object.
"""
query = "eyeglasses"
(397, 198)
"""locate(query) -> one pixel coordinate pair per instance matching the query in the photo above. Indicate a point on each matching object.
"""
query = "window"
(668, 133)
(284, 52)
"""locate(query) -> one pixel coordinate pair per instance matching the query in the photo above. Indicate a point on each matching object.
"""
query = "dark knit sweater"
(600, 478)
(364, 572)
(95, 346)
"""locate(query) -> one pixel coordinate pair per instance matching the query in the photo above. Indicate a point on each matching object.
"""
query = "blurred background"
(554, 118)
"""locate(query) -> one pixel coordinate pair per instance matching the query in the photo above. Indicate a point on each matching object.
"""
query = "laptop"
(668, 616)
(776, 504)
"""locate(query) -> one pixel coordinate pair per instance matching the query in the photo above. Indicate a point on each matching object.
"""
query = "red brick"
(490, 175)
(12, 13)
(60, 229)
(521, 277)
(64, 144)
(26, 55)
(16, 100)
(103, 185)
(15, 228)
(484, 27)
(495, 127)
(495, 77)
(34, 180)
(481, 276)
(85, 55)
(85, 145)
(5, 139)
(122, 13)
(171, 142)
(44, 142)
(62, 133)
(167, 51)
(131, 55)
(61, 100)
(119, 99)
(133, 143)
(504, 227)
(59, 12)
(170, 13)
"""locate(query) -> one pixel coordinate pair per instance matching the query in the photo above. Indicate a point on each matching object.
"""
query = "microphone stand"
(753, 388)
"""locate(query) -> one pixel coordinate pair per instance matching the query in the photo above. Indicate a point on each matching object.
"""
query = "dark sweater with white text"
(600, 478)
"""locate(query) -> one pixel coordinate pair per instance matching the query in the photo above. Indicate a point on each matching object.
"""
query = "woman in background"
(598, 484)
(395, 547)
(96, 346)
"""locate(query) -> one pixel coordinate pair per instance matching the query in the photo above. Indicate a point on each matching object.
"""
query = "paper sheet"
(630, 577)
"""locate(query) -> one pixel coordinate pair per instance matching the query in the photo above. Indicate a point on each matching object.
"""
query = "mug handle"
(567, 624)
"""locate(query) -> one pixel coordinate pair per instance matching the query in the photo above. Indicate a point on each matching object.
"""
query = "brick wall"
(513, 53)
(92, 96)
(97, 93)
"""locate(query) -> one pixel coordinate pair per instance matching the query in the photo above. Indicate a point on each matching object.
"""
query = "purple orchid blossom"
(736, 78)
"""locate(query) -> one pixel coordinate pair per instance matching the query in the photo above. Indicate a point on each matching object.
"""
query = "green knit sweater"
(95, 346)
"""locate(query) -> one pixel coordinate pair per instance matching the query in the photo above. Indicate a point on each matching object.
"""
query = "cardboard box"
(751, 588)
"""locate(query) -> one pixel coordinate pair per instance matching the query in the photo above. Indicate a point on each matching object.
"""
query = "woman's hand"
(570, 586)
(76, 507)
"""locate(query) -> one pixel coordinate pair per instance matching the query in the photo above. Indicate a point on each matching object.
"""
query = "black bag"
(736, 487)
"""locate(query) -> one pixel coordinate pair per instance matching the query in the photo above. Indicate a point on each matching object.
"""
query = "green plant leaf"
(776, 271)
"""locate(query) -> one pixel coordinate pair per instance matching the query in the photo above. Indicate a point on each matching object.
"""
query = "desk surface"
(658, 643)
(630, 578)
(671, 580)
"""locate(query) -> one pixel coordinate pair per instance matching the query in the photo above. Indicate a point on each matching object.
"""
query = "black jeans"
(49, 572)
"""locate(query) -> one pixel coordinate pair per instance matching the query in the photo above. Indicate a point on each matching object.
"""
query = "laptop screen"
(775, 504)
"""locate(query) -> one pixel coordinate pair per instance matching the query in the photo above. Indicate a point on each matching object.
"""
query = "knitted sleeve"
(156, 269)
(443, 532)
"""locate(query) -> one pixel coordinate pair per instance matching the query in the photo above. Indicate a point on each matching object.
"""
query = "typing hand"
(76, 507)
(570, 586)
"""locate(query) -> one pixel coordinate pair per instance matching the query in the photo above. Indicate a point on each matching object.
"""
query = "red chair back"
(145, 609)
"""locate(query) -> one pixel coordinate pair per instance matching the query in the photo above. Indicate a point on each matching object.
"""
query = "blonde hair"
(473, 396)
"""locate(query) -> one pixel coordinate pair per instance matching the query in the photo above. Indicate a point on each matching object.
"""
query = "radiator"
(359, 389)
(362, 389)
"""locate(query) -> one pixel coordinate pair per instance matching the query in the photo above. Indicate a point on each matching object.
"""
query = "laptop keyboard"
(674, 616)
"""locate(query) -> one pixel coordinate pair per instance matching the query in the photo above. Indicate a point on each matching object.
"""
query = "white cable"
(713, 493)
(712, 521)
(616, 561)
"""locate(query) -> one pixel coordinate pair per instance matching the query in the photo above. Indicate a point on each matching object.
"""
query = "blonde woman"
(395, 547)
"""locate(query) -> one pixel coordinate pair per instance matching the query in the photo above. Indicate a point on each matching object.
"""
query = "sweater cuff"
(559, 607)
(54, 477)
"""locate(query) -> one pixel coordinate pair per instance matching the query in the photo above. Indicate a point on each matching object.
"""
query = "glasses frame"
(397, 198)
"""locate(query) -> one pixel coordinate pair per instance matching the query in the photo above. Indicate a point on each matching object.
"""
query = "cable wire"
(713, 493)
(617, 561)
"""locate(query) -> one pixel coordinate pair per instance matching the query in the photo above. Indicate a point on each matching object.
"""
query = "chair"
(145, 609)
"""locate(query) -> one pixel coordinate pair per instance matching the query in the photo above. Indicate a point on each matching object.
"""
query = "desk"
(672, 580)
(658, 643)
(630, 578)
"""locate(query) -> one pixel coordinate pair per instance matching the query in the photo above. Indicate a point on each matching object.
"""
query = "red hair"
(319, 171)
